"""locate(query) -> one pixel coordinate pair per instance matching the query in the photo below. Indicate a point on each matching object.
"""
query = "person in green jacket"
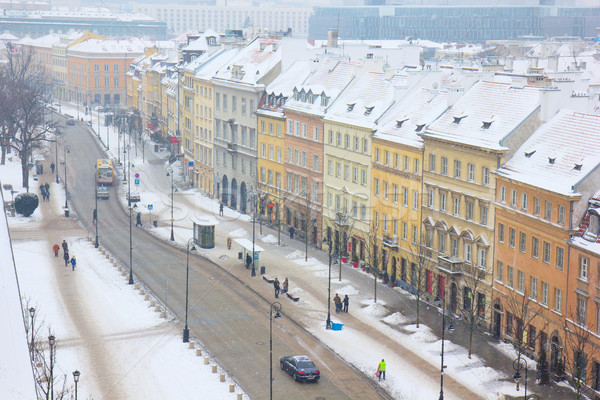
(381, 369)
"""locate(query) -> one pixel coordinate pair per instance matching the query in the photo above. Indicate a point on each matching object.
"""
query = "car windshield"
(306, 364)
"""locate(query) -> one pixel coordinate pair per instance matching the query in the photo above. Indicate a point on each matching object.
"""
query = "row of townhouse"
(85, 67)
(471, 187)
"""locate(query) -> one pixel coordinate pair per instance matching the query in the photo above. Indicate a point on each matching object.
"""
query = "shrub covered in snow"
(26, 203)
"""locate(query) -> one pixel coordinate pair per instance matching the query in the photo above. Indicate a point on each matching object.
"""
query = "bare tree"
(373, 255)
(579, 340)
(476, 291)
(22, 106)
(309, 212)
(421, 260)
(525, 312)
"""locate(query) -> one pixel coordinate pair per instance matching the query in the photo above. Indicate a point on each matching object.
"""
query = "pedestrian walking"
(66, 257)
(284, 288)
(277, 287)
(47, 186)
(291, 231)
(338, 303)
(52, 166)
(248, 260)
(221, 209)
(94, 215)
(346, 301)
(73, 262)
(138, 219)
(43, 191)
(47, 195)
(65, 246)
(56, 248)
(381, 369)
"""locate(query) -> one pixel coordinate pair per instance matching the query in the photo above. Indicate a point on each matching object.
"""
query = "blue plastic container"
(336, 326)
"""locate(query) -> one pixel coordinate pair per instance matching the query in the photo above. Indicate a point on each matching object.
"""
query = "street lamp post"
(253, 234)
(170, 173)
(96, 209)
(56, 153)
(186, 330)
(76, 378)
(450, 329)
(32, 314)
(51, 341)
(518, 365)
(65, 152)
(328, 323)
(277, 307)
(130, 248)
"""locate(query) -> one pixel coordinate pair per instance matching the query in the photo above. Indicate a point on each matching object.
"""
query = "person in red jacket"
(56, 248)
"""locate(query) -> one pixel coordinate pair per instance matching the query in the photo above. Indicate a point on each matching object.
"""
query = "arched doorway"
(243, 198)
(234, 194)
(393, 274)
(555, 350)
(453, 297)
(497, 323)
(225, 192)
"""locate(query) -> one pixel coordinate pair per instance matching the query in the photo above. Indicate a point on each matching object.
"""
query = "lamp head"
(76, 375)
(32, 312)
(51, 340)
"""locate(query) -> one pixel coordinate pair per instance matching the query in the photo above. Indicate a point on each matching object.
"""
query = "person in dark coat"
(346, 301)
(221, 209)
(248, 261)
(52, 166)
(47, 186)
(73, 262)
(43, 190)
(94, 216)
(66, 258)
(276, 287)
(65, 246)
(291, 230)
(138, 219)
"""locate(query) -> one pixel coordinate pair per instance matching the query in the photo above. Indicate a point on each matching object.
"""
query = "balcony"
(450, 265)
(231, 147)
(391, 242)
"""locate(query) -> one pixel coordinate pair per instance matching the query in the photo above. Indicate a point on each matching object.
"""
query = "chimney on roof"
(332, 37)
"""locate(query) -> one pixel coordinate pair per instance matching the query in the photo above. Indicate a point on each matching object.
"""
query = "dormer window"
(457, 119)
(593, 228)
(551, 160)
(529, 153)
(577, 167)
(311, 98)
(324, 101)
(350, 107)
(296, 95)
(400, 122)
(368, 110)
(419, 127)
(486, 124)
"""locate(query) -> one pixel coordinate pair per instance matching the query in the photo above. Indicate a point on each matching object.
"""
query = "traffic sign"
(137, 175)
(150, 207)
(137, 181)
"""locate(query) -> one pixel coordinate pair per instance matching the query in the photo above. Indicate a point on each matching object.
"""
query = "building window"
(377, 155)
(513, 198)
(503, 194)
(548, 211)
(511, 237)
(355, 174)
(500, 271)
(546, 257)
(544, 299)
(406, 163)
(405, 197)
(457, 169)
(443, 201)
(432, 162)
(468, 252)
(521, 281)
(471, 172)
(442, 243)
(501, 233)
(454, 242)
(535, 244)
(522, 242)
(417, 166)
(486, 176)
(557, 300)
(363, 177)
(444, 166)
(524, 201)
(415, 200)
(581, 310)
(584, 264)
(385, 190)
(560, 257)
(469, 215)
(536, 206)
(430, 195)
(483, 214)
(482, 258)
(533, 289)
(376, 183)
(456, 205)
(510, 277)
(561, 215)
(404, 230)
(395, 199)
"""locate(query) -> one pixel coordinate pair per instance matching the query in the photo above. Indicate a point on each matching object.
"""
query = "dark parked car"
(301, 368)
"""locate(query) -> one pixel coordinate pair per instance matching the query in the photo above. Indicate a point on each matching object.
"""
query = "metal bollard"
(222, 378)
(191, 345)
(198, 352)
(231, 388)
(206, 360)
(214, 369)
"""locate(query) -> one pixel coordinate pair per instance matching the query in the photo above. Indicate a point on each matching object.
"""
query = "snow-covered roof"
(485, 114)
(367, 100)
(284, 84)
(411, 115)
(559, 155)
(253, 62)
(207, 65)
(328, 79)
(131, 47)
